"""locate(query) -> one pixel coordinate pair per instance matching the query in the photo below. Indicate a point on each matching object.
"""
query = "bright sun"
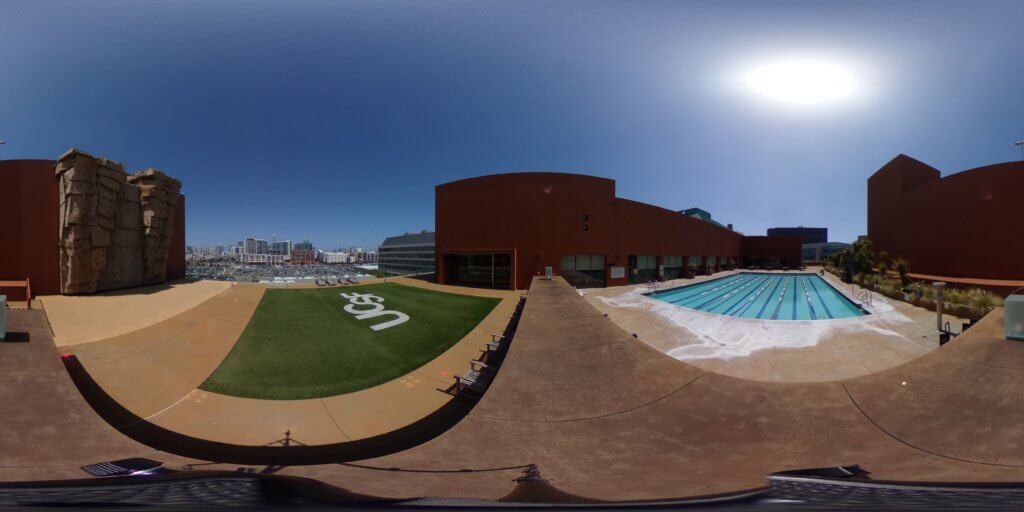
(801, 81)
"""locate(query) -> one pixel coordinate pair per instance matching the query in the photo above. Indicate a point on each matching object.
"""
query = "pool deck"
(607, 417)
(810, 351)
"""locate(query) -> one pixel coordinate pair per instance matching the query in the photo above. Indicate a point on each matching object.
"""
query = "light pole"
(1019, 143)
(939, 285)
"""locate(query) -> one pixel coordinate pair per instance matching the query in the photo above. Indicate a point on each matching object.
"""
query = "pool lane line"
(726, 295)
(759, 285)
(767, 282)
(822, 299)
(807, 296)
(692, 291)
(702, 295)
(795, 279)
(723, 298)
(770, 294)
(778, 305)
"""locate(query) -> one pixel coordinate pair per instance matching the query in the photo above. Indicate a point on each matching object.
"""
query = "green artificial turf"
(301, 344)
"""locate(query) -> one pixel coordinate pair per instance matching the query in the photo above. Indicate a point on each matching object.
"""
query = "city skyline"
(271, 240)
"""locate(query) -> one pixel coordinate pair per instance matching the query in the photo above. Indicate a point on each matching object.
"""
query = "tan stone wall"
(159, 198)
(115, 229)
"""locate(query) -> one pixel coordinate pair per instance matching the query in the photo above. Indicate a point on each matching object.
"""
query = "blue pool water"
(765, 296)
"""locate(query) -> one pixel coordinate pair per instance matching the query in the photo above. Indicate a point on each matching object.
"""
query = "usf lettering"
(366, 305)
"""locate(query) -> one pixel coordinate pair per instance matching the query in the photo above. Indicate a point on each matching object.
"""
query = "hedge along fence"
(969, 303)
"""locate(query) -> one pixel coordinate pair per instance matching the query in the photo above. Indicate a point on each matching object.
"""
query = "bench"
(26, 284)
(474, 382)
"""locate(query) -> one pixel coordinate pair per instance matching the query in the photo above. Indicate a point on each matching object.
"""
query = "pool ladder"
(865, 297)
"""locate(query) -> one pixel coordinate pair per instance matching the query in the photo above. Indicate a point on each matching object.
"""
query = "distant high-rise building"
(282, 247)
(807, 235)
(304, 245)
(303, 253)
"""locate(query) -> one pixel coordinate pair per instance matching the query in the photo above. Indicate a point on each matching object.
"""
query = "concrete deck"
(606, 416)
(155, 373)
(786, 351)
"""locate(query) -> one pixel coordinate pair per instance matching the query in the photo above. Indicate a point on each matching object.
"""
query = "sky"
(334, 120)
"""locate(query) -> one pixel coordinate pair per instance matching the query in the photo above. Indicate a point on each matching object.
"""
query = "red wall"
(30, 228)
(964, 225)
(538, 217)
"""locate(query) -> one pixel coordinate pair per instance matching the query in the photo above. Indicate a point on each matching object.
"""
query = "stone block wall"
(115, 229)
(159, 198)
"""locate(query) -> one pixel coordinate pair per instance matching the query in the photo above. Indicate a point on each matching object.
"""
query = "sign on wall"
(618, 272)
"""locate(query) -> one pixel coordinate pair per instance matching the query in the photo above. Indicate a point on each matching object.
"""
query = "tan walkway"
(155, 372)
(81, 319)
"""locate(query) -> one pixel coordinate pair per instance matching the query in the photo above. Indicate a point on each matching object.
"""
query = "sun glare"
(805, 82)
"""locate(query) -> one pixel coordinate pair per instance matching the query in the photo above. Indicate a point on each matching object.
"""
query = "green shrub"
(981, 302)
(954, 296)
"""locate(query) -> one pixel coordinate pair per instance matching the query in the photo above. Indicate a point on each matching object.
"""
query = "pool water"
(767, 296)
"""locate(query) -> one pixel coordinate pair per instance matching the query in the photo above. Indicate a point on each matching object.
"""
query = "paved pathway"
(606, 416)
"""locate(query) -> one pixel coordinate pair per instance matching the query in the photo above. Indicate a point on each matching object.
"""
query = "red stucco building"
(30, 228)
(501, 230)
(958, 226)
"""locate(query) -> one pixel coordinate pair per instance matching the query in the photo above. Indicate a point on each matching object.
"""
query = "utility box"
(1014, 315)
(3, 316)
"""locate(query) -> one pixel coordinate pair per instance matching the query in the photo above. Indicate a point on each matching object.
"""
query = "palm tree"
(863, 256)
(903, 268)
(883, 267)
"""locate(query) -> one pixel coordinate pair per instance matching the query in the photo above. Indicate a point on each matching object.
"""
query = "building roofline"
(527, 173)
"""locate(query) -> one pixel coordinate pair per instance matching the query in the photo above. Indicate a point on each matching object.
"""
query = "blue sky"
(334, 120)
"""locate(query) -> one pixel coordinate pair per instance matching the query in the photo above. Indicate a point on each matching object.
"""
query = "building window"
(583, 270)
(642, 268)
(673, 267)
(484, 270)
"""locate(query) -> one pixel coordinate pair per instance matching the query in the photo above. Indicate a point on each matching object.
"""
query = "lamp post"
(1019, 143)
(939, 285)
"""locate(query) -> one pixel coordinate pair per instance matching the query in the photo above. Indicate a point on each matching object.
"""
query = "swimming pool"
(767, 296)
